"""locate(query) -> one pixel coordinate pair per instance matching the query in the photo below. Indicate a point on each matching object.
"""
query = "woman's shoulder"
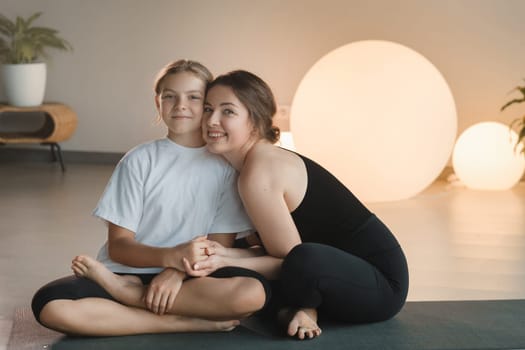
(270, 163)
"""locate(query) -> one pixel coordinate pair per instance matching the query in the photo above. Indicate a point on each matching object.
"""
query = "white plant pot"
(24, 84)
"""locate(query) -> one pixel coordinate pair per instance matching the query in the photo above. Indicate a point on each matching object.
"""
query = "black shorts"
(73, 288)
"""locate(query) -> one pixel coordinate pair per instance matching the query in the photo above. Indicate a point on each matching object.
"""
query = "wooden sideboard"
(58, 123)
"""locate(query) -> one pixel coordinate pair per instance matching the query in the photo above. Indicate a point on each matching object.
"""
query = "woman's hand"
(204, 267)
(215, 248)
(161, 292)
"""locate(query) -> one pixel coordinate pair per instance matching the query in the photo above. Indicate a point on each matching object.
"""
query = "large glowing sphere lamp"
(379, 116)
(485, 157)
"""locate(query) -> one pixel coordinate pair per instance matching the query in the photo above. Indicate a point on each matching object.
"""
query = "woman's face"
(180, 103)
(226, 125)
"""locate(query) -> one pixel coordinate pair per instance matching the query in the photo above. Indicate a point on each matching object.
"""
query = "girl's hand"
(160, 294)
(194, 250)
(204, 267)
(215, 248)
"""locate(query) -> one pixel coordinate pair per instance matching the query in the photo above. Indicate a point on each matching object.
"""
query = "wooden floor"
(460, 244)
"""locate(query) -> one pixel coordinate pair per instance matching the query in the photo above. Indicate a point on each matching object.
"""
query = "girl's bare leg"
(301, 323)
(103, 317)
(205, 297)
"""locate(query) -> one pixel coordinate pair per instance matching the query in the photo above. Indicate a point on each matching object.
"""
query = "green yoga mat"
(496, 324)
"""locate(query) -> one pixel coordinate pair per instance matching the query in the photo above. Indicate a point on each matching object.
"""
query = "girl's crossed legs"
(202, 304)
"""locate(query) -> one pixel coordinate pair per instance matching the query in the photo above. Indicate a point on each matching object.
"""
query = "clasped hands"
(200, 257)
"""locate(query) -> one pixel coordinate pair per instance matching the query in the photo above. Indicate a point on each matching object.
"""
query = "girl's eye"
(166, 97)
(195, 97)
(208, 110)
(228, 112)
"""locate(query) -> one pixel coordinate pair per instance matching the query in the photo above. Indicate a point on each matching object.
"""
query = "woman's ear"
(255, 130)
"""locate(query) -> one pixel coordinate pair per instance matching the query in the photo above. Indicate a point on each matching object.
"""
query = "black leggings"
(73, 288)
(365, 279)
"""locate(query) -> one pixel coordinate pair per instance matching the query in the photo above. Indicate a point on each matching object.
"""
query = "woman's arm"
(266, 265)
(226, 243)
(262, 194)
(253, 258)
(221, 254)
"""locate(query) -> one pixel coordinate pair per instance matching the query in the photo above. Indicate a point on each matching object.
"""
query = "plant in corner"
(518, 123)
(22, 46)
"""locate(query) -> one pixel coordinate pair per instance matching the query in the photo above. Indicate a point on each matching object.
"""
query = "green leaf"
(32, 18)
(521, 137)
(7, 27)
(516, 100)
(25, 43)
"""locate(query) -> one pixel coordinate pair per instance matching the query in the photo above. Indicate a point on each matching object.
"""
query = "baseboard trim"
(43, 154)
(449, 170)
(19, 154)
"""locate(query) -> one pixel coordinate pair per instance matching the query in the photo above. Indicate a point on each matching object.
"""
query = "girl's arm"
(124, 249)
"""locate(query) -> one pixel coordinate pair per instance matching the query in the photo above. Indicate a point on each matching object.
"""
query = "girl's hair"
(179, 66)
(256, 96)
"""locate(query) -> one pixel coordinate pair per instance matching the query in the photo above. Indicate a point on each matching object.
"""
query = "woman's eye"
(207, 109)
(195, 97)
(228, 112)
(166, 97)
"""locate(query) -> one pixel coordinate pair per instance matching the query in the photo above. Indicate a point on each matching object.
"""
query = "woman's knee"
(301, 260)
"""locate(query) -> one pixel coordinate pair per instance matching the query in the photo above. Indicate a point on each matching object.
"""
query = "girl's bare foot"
(86, 266)
(301, 323)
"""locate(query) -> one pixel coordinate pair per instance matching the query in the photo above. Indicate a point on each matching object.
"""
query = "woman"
(339, 259)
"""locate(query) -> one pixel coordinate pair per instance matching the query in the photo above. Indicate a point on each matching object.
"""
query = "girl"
(338, 259)
(160, 198)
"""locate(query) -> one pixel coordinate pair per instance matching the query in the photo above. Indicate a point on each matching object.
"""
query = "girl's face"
(226, 123)
(180, 105)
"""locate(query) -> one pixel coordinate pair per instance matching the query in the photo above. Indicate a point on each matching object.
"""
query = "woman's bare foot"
(301, 323)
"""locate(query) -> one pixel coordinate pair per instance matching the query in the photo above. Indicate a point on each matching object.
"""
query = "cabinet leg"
(56, 153)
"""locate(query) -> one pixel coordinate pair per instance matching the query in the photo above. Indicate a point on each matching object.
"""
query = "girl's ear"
(157, 102)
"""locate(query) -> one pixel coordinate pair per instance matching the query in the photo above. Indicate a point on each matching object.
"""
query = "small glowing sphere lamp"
(379, 116)
(484, 157)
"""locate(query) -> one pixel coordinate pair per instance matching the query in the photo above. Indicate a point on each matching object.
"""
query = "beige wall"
(120, 45)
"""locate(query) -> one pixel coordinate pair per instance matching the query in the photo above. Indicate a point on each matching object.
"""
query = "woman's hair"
(256, 96)
(180, 66)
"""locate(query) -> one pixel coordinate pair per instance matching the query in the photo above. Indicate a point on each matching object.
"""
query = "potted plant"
(22, 46)
(518, 123)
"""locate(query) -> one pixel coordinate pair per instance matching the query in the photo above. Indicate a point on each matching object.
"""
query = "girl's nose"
(180, 104)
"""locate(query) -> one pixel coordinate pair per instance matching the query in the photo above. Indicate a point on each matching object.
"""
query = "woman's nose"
(212, 119)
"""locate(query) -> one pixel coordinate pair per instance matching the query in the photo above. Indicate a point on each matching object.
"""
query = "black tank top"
(328, 211)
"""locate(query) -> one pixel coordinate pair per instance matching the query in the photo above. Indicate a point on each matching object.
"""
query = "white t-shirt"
(169, 194)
